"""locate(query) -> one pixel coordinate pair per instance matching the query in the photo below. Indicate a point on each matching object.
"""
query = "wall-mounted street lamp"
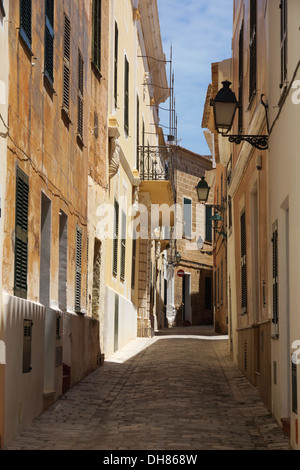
(177, 258)
(225, 105)
(203, 189)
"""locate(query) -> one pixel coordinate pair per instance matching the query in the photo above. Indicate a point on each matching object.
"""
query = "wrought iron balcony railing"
(154, 163)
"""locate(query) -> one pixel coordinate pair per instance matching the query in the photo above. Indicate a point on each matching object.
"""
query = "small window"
(283, 41)
(49, 40)
(78, 258)
(275, 274)
(253, 48)
(96, 46)
(208, 224)
(126, 96)
(187, 218)
(116, 238)
(21, 243)
(243, 263)
(123, 246)
(116, 65)
(80, 96)
(66, 66)
(27, 337)
(25, 22)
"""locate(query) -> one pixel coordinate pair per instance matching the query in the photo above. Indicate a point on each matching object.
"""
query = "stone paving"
(178, 390)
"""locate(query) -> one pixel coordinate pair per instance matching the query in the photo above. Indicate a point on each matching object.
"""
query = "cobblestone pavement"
(174, 391)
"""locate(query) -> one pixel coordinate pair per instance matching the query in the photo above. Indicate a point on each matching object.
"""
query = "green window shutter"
(21, 242)
(96, 46)
(66, 65)
(243, 264)
(123, 246)
(80, 96)
(208, 224)
(126, 96)
(78, 259)
(27, 336)
(49, 39)
(275, 274)
(116, 238)
(25, 21)
(116, 65)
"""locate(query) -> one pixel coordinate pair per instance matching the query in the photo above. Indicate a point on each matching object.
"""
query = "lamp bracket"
(260, 142)
(219, 208)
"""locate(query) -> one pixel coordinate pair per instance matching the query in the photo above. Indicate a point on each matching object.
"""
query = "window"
(21, 246)
(275, 273)
(49, 40)
(78, 258)
(241, 79)
(25, 22)
(253, 47)
(116, 65)
(283, 41)
(2, 10)
(96, 46)
(208, 224)
(215, 288)
(187, 218)
(137, 127)
(294, 388)
(243, 264)
(126, 96)
(66, 66)
(218, 288)
(27, 336)
(229, 212)
(80, 96)
(133, 260)
(123, 246)
(116, 239)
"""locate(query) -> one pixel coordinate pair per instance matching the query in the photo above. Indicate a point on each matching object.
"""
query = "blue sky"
(200, 32)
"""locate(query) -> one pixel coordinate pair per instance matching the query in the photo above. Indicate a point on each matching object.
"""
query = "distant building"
(193, 292)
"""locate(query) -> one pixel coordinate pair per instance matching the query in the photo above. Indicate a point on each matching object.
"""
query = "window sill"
(96, 71)
(48, 84)
(66, 116)
(80, 142)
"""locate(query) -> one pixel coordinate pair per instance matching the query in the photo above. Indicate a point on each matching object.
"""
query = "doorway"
(186, 299)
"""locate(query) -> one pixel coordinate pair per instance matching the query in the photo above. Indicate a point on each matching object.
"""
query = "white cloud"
(200, 32)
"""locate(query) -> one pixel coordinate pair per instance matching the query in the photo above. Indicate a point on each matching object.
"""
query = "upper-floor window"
(66, 65)
(96, 46)
(21, 231)
(126, 96)
(241, 79)
(283, 41)
(49, 40)
(187, 217)
(116, 65)
(80, 96)
(253, 48)
(25, 22)
(208, 224)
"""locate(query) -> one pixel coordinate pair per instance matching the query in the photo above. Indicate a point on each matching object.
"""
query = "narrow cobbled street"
(178, 390)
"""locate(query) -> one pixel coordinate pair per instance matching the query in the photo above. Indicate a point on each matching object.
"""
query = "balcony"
(155, 172)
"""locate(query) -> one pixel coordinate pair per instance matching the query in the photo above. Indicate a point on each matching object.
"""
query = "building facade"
(4, 75)
(283, 111)
(248, 270)
(193, 238)
(45, 231)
